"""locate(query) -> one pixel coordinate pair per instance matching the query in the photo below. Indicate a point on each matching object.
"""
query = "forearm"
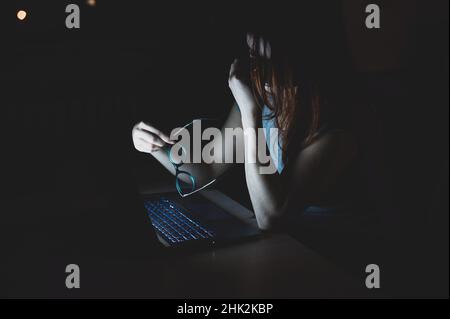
(266, 190)
(205, 172)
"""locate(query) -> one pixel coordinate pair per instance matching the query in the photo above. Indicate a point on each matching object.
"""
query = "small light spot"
(91, 3)
(21, 15)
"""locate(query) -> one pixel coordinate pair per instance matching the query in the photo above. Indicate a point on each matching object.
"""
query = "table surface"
(270, 266)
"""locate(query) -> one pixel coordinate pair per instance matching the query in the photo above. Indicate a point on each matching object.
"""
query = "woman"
(283, 89)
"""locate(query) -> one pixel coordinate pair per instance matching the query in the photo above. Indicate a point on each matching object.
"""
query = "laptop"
(126, 216)
(193, 221)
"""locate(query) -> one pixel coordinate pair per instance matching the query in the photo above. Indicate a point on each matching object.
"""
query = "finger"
(151, 129)
(233, 68)
(141, 146)
(145, 147)
(164, 137)
(144, 126)
(149, 138)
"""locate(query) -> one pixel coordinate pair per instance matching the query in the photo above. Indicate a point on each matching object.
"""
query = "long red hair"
(289, 90)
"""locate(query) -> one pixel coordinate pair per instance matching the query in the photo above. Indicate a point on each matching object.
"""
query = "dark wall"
(65, 93)
(71, 95)
(68, 94)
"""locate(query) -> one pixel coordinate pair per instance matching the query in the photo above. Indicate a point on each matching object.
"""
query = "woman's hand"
(147, 139)
(241, 91)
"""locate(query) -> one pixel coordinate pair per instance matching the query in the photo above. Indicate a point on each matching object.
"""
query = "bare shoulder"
(324, 160)
(337, 144)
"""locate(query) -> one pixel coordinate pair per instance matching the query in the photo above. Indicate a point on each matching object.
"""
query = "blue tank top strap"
(274, 144)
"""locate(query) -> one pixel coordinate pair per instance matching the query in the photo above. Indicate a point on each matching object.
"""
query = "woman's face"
(262, 48)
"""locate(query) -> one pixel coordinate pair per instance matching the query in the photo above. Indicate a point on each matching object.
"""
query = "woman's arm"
(150, 140)
(266, 190)
(310, 173)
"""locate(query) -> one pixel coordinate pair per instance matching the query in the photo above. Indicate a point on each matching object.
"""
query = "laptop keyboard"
(172, 222)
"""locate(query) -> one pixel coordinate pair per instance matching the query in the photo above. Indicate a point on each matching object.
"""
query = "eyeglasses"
(186, 183)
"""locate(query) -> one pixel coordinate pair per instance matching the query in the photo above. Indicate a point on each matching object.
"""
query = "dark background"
(71, 94)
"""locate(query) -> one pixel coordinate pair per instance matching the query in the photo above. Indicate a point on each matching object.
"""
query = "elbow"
(265, 225)
(268, 220)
